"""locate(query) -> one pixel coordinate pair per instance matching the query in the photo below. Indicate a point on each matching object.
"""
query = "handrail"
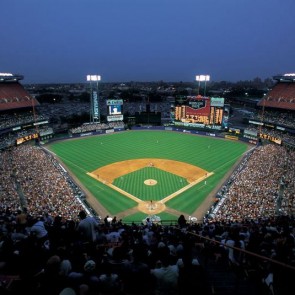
(244, 251)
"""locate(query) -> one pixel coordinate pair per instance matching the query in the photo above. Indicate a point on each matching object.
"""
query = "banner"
(95, 105)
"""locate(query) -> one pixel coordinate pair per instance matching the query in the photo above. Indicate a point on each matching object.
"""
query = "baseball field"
(133, 174)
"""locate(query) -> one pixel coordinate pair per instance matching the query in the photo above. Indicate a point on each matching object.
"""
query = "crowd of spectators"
(44, 111)
(9, 139)
(59, 256)
(54, 111)
(64, 109)
(33, 179)
(284, 136)
(276, 117)
(50, 243)
(96, 126)
(53, 256)
(17, 119)
(261, 187)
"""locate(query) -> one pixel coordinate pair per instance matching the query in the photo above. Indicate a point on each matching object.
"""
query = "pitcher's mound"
(150, 182)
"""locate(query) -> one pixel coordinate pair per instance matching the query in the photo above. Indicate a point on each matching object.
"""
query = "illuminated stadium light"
(289, 75)
(202, 78)
(10, 77)
(93, 78)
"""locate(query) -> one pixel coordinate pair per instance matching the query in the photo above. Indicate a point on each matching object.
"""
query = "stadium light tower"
(94, 98)
(202, 78)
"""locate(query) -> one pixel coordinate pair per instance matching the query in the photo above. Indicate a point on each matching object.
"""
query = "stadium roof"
(8, 77)
(285, 78)
(282, 95)
(12, 93)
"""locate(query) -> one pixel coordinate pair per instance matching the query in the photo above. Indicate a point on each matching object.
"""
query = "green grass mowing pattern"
(87, 154)
(106, 195)
(191, 199)
(167, 183)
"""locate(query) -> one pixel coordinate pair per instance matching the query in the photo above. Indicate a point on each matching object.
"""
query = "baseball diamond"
(109, 173)
(134, 173)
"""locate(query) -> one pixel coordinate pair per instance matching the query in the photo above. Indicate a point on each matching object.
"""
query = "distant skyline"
(61, 41)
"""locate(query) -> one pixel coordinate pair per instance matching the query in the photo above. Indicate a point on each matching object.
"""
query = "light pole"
(198, 79)
(202, 78)
(94, 98)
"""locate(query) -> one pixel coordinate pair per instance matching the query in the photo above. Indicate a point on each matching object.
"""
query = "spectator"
(137, 278)
(39, 232)
(87, 227)
(166, 276)
(182, 221)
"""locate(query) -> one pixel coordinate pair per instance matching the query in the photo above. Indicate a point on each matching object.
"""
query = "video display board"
(115, 110)
(26, 138)
(198, 111)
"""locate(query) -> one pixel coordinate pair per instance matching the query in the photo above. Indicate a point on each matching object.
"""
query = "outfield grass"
(88, 154)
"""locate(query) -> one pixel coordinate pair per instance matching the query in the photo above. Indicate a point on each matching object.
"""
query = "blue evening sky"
(61, 41)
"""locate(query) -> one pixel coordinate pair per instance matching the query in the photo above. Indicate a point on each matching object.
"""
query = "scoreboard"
(26, 138)
(115, 110)
(216, 115)
(201, 112)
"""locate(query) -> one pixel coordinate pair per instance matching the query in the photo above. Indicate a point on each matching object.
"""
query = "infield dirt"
(109, 173)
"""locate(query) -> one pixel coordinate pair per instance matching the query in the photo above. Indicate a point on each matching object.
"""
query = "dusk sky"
(61, 41)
